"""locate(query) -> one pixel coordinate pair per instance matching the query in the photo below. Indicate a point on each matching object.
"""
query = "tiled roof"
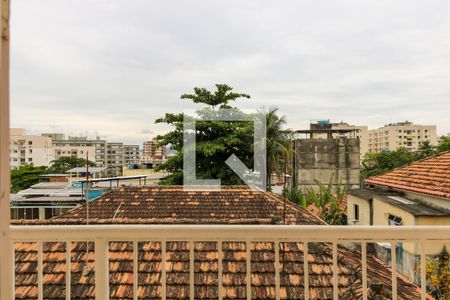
(250, 207)
(171, 204)
(429, 176)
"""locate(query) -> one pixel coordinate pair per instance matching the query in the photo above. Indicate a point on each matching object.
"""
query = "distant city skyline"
(113, 68)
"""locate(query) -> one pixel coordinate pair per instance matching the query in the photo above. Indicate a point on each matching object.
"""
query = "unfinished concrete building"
(326, 155)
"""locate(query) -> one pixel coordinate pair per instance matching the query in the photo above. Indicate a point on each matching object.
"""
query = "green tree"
(278, 143)
(215, 140)
(25, 176)
(65, 163)
(327, 198)
(444, 144)
(426, 149)
(438, 275)
(296, 196)
(377, 163)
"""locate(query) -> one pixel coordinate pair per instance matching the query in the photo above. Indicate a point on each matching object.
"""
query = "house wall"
(427, 220)
(383, 209)
(380, 218)
(364, 210)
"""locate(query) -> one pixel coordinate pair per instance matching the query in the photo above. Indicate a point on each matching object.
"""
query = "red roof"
(429, 176)
(173, 205)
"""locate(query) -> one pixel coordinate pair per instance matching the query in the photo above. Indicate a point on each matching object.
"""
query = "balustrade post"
(101, 269)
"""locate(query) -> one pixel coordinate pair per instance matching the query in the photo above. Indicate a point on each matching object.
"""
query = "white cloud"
(114, 67)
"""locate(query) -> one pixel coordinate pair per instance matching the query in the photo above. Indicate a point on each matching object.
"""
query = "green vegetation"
(63, 164)
(27, 175)
(216, 141)
(444, 145)
(377, 163)
(438, 275)
(278, 143)
(327, 198)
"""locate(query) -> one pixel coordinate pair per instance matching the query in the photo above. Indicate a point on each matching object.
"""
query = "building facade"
(361, 132)
(74, 151)
(153, 151)
(29, 149)
(131, 155)
(115, 159)
(326, 155)
(104, 154)
(82, 143)
(404, 134)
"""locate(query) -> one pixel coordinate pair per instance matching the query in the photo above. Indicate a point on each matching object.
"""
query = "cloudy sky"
(111, 67)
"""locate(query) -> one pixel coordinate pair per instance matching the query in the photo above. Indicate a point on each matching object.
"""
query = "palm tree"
(426, 149)
(278, 143)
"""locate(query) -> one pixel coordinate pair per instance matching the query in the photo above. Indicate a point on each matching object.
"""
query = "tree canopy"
(25, 176)
(377, 163)
(65, 163)
(215, 140)
(444, 144)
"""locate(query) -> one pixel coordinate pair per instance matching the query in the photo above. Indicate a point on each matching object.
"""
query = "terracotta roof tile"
(173, 205)
(205, 256)
(429, 176)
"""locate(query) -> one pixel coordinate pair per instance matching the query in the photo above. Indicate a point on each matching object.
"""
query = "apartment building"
(152, 150)
(115, 159)
(78, 145)
(361, 132)
(29, 149)
(403, 134)
(76, 151)
(132, 154)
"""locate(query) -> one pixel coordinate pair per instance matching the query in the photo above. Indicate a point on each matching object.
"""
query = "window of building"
(25, 213)
(356, 212)
(394, 220)
(30, 142)
(30, 159)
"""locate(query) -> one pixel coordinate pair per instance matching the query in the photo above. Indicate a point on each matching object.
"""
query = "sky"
(111, 67)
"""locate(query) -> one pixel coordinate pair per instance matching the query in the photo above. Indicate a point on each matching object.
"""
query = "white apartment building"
(404, 134)
(75, 151)
(29, 149)
(79, 146)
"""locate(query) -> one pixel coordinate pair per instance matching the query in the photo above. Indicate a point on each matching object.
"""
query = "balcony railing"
(101, 235)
